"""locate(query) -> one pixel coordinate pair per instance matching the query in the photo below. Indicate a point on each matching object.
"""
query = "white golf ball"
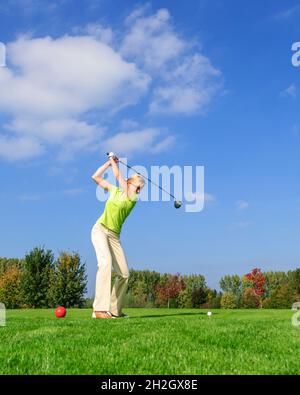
(209, 313)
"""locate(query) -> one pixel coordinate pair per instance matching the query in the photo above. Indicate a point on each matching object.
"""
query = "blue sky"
(163, 83)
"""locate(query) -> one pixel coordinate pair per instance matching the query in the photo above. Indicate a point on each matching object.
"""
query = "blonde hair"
(136, 178)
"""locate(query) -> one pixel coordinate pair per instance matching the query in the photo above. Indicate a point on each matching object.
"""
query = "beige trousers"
(109, 254)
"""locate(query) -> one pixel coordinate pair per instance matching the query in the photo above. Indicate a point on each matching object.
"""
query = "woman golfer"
(106, 241)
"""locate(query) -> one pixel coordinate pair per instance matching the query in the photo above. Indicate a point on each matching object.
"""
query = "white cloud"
(148, 139)
(67, 76)
(52, 83)
(287, 13)
(290, 91)
(69, 135)
(241, 205)
(187, 80)
(13, 148)
(163, 145)
(137, 12)
(151, 40)
(194, 68)
(56, 131)
(189, 89)
(52, 86)
(127, 124)
(103, 34)
(29, 197)
(180, 100)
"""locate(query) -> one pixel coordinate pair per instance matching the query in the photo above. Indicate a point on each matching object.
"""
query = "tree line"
(259, 289)
(256, 289)
(40, 281)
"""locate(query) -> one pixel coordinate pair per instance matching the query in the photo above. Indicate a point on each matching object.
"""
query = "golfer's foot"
(122, 315)
(102, 314)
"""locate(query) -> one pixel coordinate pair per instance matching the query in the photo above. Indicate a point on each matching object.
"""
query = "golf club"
(177, 203)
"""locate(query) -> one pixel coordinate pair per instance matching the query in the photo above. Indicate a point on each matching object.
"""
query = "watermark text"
(2, 54)
(186, 183)
(296, 55)
(2, 314)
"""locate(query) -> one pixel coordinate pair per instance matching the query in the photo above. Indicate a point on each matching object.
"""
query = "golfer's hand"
(112, 156)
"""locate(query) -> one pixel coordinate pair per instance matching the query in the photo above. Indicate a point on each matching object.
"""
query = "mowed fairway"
(152, 341)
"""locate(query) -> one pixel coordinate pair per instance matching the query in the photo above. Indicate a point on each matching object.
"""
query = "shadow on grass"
(168, 315)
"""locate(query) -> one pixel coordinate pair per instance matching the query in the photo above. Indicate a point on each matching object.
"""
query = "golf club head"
(177, 203)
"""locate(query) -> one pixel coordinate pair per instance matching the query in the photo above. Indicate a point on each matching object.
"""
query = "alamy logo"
(2, 314)
(296, 316)
(187, 181)
(295, 319)
(2, 55)
(296, 55)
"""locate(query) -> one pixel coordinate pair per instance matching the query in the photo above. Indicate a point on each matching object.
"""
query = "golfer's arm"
(118, 175)
(97, 176)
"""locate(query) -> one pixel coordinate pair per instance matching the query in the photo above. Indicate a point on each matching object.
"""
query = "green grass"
(152, 341)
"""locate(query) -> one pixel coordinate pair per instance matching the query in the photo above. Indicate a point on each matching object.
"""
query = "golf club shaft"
(146, 178)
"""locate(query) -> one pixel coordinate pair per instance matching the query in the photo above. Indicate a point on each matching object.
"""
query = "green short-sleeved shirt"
(117, 209)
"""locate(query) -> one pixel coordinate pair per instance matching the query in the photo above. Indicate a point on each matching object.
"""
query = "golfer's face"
(134, 186)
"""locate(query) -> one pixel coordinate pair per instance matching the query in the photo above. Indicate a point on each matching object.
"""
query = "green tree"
(216, 302)
(184, 299)
(274, 280)
(129, 300)
(7, 263)
(250, 300)
(150, 280)
(228, 301)
(140, 294)
(213, 300)
(294, 280)
(68, 281)
(281, 298)
(10, 287)
(133, 278)
(38, 264)
(232, 284)
(143, 282)
(199, 297)
(146, 283)
(194, 281)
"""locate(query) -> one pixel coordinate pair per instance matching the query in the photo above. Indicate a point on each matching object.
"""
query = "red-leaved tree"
(256, 281)
(171, 288)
